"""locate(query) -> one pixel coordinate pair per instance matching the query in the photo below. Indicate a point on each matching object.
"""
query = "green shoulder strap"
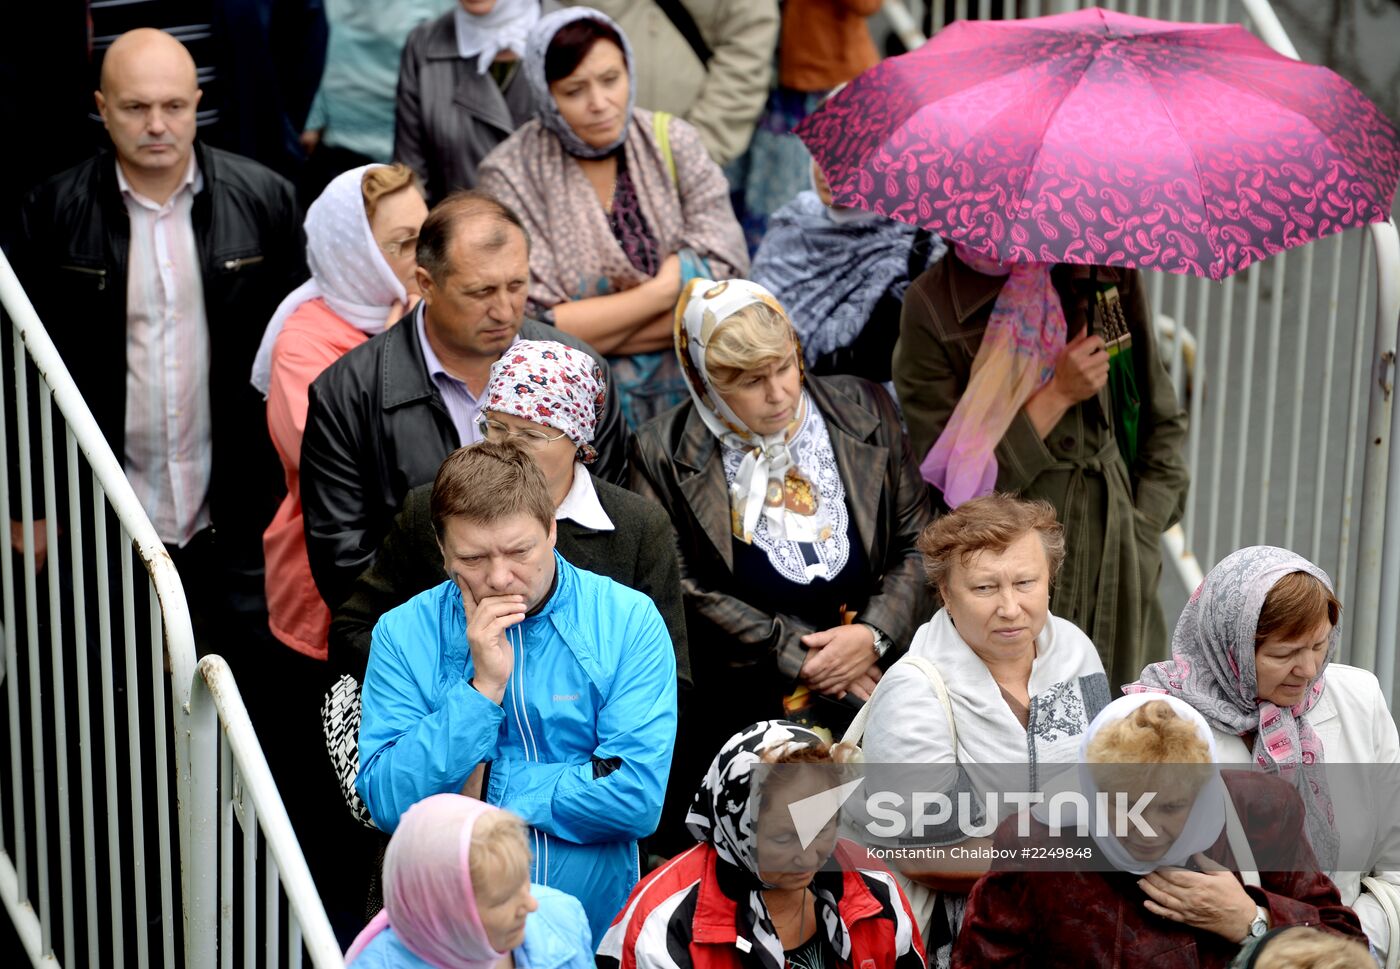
(661, 127)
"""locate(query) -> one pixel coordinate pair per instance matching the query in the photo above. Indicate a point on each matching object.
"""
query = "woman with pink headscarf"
(457, 895)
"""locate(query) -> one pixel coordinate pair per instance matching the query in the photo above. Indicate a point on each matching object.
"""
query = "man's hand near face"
(487, 622)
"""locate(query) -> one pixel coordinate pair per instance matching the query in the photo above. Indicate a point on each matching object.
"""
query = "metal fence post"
(199, 862)
(1387, 246)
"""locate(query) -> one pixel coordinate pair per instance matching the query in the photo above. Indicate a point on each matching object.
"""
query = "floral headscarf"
(758, 486)
(1212, 668)
(550, 384)
(429, 900)
(724, 814)
(1022, 341)
(537, 47)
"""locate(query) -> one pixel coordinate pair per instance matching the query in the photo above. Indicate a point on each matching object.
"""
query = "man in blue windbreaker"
(524, 681)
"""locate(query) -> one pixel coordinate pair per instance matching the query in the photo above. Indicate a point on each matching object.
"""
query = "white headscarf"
(703, 307)
(348, 269)
(505, 28)
(1203, 824)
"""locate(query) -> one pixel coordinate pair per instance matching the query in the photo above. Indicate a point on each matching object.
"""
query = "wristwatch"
(1259, 926)
(882, 642)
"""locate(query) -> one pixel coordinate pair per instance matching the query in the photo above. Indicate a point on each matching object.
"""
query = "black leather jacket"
(376, 427)
(72, 260)
(744, 658)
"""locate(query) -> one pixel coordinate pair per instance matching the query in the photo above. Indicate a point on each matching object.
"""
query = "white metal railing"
(1289, 386)
(89, 874)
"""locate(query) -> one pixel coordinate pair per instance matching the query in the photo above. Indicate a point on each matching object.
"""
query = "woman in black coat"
(797, 503)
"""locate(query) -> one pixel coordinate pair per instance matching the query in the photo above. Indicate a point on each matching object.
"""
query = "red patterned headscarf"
(550, 384)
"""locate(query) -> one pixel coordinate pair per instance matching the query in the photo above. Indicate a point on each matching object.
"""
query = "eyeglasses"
(496, 431)
(395, 247)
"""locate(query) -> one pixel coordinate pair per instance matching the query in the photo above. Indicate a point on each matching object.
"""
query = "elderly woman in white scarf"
(1203, 863)
(797, 504)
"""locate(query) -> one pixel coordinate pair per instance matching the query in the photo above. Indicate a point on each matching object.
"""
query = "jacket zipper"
(532, 750)
(101, 274)
(234, 264)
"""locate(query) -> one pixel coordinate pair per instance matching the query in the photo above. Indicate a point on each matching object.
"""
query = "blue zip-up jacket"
(579, 747)
(557, 936)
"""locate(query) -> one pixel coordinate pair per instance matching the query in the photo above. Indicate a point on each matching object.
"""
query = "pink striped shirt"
(168, 449)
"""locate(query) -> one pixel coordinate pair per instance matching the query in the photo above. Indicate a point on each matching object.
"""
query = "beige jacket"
(722, 103)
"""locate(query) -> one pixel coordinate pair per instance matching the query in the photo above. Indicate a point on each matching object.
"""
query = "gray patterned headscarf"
(537, 46)
(724, 814)
(1212, 668)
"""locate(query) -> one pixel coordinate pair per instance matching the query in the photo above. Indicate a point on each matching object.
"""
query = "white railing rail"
(120, 667)
(1285, 406)
(232, 785)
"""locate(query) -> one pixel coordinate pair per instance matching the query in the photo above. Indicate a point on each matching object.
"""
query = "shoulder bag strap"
(682, 20)
(856, 731)
(1388, 898)
(661, 128)
(1239, 844)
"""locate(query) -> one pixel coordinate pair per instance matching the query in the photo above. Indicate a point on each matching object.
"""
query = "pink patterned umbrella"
(1096, 137)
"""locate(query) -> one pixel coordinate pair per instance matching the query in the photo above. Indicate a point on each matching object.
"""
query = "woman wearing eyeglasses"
(360, 239)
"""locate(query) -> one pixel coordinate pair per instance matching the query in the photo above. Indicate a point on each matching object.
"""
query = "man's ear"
(425, 284)
(101, 103)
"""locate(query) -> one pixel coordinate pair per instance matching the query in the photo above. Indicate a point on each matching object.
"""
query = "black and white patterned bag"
(340, 720)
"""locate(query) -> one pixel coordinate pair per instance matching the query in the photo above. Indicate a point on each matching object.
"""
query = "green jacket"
(1113, 515)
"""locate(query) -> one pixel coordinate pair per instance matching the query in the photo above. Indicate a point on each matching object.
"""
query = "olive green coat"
(1113, 515)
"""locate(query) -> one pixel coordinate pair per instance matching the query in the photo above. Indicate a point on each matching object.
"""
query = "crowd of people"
(576, 470)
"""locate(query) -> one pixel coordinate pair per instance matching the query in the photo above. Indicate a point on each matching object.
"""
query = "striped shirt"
(168, 449)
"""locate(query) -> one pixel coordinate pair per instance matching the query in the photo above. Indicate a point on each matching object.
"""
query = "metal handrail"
(205, 704)
(215, 703)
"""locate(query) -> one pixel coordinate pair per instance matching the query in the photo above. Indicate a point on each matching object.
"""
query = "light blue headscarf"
(537, 46)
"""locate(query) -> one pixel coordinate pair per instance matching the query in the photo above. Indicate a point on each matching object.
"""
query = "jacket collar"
(475, 94)
(406, 378)
(851, 427)
(109, 190)
(545, 946)
(716, 923)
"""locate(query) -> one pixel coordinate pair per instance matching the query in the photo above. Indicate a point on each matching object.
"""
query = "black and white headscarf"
(724, 814)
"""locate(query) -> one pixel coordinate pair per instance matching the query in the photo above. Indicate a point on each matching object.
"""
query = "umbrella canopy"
(1098, 137)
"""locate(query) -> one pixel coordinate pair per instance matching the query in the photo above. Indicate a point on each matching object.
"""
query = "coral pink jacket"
(312, 339)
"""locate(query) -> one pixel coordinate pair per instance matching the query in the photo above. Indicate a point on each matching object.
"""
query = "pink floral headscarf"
(551, 384)
(1022, 341)
(428, 896)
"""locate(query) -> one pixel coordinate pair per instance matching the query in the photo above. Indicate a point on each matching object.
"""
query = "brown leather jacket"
(744, 659)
